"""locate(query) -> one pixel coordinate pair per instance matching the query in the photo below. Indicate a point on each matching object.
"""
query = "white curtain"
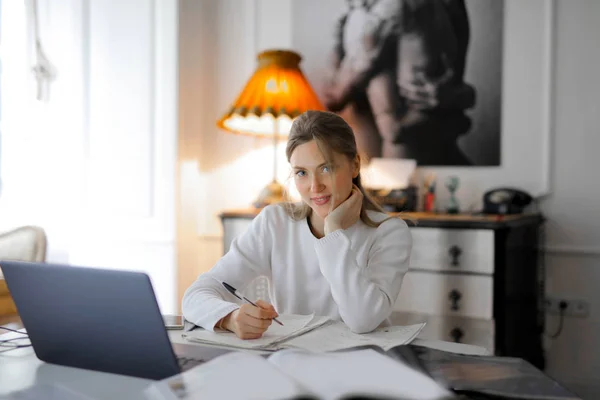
(41, 140)
(20, 113)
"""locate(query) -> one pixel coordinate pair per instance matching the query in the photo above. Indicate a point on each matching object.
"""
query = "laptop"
(98, 319)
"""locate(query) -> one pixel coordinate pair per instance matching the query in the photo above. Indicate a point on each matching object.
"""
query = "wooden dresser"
(475, 279)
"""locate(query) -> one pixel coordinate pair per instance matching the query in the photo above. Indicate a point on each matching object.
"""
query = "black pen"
(233, 291)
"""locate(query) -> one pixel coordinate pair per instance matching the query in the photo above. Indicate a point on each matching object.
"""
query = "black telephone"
(505, 201)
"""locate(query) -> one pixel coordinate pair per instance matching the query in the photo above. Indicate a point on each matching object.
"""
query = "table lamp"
(276, 93)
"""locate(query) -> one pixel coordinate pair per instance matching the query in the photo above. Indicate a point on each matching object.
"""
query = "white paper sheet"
(356, 373)
(235, 375)
(337, 336)
(292, 325)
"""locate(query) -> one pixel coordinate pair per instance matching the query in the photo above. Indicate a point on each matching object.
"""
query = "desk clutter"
(407, 371)
(310, 357)
(403, 372)
(310, 333)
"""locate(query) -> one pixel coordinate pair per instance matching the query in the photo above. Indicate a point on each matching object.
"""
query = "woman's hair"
(332, 135)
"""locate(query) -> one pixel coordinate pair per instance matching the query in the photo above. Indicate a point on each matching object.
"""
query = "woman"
(333, 254)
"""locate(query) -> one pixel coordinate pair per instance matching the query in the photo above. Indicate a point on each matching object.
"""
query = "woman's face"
(321, 185)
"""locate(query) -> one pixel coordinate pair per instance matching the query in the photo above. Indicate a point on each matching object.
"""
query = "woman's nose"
(316, 185)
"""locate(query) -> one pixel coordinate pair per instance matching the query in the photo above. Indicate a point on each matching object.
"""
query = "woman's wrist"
(331, 228)
(224, 322)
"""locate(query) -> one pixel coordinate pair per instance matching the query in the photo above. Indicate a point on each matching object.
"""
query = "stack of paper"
(310, 333)
(293, 325)
(337, 336)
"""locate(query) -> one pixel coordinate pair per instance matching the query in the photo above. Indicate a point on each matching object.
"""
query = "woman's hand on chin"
(346, 214)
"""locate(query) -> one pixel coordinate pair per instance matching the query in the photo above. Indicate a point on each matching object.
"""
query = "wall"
(94, 164)
(573, 210)
(548, 144)
(218, 43)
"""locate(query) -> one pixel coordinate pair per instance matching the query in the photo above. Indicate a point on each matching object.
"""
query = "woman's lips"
(321, 200)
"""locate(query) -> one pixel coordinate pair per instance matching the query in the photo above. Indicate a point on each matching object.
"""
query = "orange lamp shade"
(276, 93)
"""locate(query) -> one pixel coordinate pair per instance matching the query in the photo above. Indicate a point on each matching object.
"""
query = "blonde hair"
(332, 134)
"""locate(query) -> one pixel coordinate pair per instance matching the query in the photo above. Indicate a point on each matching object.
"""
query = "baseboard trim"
(577, 251)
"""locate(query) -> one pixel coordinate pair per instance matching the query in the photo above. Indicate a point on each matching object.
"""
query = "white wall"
(218, 55)
(573, 210)
(94, 165)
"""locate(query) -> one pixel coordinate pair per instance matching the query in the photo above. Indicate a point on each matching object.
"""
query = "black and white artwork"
(416, 79)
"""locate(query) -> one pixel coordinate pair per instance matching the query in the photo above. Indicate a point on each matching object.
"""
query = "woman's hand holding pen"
(249, 322)
(346, 214)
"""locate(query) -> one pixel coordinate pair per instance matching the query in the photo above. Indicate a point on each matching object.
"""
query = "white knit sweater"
(353, 274)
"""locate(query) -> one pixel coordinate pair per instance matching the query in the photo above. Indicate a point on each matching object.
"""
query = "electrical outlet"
(574, 308)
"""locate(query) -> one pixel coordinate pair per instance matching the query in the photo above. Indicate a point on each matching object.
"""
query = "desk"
(20, 369)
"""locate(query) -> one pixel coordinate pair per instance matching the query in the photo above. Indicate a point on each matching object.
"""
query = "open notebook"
(311, 333)
(299, 374)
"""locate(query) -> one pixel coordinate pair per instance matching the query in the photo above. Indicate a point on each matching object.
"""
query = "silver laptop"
(97, 319)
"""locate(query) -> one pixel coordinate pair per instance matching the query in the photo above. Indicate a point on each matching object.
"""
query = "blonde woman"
(334, 254)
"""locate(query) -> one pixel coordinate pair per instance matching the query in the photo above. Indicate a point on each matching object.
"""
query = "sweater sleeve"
(206, 301)
(365, 294)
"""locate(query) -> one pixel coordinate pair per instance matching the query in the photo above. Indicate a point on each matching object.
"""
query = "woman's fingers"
(267, 306)
(258, 323)
(261, 312)
(256, 319)
(250, 326)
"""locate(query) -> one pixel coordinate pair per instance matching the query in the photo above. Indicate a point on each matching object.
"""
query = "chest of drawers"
(474, 279)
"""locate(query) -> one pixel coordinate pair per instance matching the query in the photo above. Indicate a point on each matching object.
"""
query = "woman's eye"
(327, 168)
(300, 173)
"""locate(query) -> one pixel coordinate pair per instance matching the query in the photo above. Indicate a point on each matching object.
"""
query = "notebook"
(309, 332)
(300, 374)
(293, 325)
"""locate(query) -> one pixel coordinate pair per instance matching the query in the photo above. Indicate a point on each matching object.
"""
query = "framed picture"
(417, 79)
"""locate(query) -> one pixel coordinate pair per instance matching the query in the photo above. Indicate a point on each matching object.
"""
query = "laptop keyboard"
(186, 363)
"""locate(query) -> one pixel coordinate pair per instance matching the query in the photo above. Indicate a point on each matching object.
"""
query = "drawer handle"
(455, 252)
(457, 334)
(454, 296)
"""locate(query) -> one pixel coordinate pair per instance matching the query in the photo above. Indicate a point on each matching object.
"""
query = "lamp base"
(270, 194)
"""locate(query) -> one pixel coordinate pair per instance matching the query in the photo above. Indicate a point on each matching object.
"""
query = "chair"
(26, 243)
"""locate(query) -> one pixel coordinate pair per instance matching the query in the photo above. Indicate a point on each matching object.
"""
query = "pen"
(233, 291)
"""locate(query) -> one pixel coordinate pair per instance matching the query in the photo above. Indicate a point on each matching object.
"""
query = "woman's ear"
(356, 166)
